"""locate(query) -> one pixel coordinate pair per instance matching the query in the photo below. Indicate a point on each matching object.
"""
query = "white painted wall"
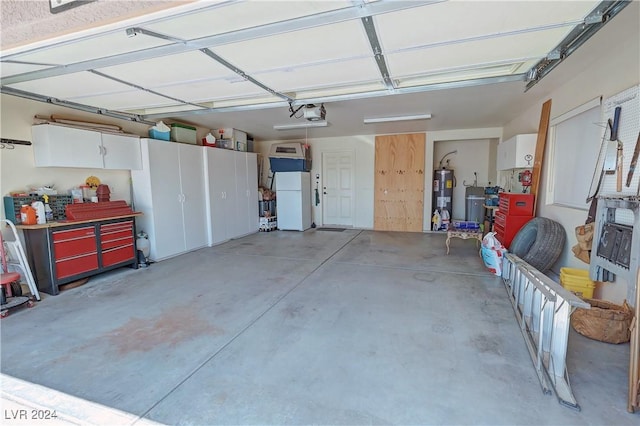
(614, 70)
(473, 156)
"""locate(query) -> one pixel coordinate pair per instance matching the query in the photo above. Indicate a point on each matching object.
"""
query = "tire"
(539, 243)
(16, 289)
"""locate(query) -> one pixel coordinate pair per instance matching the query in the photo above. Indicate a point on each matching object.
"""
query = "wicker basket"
(605, 321)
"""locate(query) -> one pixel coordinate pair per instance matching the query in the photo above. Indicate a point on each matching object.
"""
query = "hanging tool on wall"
(634, 161)
(619, 146)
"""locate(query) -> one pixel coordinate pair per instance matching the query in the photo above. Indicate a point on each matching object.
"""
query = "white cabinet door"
(121, 152)
(512, 153)
(221, 194)
(60, 146)
(252, 179)
(193, 196)
(525, 148)
(166, 197)
(506, 155)
(241, 221)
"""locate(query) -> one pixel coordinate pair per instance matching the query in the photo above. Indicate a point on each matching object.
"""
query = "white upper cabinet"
(121, 152)
(517, 152)
(60, 146)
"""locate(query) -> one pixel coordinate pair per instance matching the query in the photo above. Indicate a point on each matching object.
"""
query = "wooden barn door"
(399, 183)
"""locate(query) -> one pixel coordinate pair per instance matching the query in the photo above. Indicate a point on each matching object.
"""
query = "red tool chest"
(514, 210)
(65, 252)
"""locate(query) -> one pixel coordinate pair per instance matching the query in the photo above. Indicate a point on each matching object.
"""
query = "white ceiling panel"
(132, 99)
(72, 85)
(466, 74)
(235, 16)
(504, 49)
(315, 45)
(92, 48)
(353, 71)
(166, 70)
(457, 20)
(10, 68)
(212, 90)
(340, 90)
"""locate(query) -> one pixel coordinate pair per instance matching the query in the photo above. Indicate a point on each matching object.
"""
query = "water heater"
(442, 189)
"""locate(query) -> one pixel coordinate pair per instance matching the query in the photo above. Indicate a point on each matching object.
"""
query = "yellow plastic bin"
(577, 281)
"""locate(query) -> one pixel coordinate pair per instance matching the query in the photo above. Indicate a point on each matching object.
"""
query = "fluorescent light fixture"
(302, 125)
(399, 118)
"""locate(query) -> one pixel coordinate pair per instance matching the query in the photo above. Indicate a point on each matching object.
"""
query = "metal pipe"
(444, 156)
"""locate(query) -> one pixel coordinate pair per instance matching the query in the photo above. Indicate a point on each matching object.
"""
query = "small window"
(575, 140)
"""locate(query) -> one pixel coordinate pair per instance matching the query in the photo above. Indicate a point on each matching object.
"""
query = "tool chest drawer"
(74, 243)
(512, 204)
(117, 255)
(116, 235)
(76, 265)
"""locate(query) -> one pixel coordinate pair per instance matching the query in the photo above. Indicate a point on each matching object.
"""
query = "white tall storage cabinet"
(232, 194)
(170, 192)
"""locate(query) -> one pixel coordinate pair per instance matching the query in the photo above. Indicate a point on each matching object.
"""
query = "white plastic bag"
(492, 252)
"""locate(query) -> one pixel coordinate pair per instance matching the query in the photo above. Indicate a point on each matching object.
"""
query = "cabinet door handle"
(104, 150)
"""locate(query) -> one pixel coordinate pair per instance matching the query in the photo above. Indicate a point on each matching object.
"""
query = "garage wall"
(17, 170)
(363, 147)
(17, 167)
(612, 70)
(472, 156)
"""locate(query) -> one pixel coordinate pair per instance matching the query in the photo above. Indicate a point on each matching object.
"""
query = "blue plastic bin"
(163, 136)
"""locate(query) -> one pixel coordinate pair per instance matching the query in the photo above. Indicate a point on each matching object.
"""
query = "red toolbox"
(513, 212)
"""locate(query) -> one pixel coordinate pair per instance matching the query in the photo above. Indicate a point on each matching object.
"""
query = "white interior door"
(337, 189)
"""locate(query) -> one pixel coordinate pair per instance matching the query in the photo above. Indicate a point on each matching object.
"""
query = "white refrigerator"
(293, 200)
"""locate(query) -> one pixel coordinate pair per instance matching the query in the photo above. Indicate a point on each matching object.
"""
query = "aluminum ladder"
(543, 309)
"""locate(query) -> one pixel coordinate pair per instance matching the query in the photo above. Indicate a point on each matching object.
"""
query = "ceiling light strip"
(295, 24)
(352, 96)
(606, 10)
(244, 75)
(74, 105)
(144, 89)
(372, 35)
(300, 125)
(394, 119)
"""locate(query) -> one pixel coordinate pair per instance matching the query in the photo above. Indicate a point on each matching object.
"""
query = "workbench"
(66, 251)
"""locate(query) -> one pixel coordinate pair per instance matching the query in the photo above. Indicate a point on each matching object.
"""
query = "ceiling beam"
(376, 48)
(77, 106)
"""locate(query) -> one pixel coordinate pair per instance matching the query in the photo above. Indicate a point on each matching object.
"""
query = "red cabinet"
(63, 253)
(513, 212)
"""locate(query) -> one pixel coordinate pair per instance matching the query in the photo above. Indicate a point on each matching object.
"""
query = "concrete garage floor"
(353, 327)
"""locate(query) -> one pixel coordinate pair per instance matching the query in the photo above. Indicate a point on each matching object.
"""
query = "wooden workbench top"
(74, 222)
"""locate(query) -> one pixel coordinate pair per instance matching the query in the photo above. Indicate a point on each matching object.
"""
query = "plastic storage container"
(163, 136)
(577, 281)
(183, 133)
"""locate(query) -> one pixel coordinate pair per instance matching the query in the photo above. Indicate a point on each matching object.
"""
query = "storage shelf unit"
(513, 212)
